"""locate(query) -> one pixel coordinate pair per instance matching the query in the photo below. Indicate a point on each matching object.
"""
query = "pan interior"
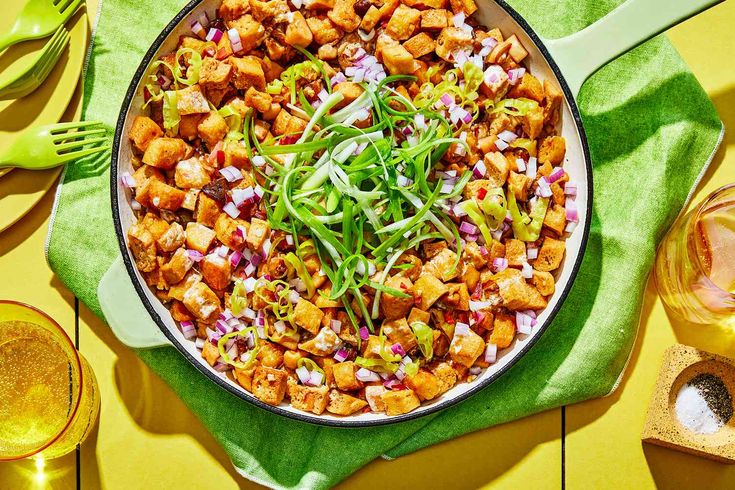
(576, 164)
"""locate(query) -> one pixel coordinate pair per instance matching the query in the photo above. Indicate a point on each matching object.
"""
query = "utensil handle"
(581, 54)
(124, 312)
(8, 39)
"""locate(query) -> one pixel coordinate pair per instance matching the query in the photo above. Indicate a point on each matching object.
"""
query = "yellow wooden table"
(147, 438)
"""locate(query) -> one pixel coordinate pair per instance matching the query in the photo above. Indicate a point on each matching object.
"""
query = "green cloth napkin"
(652, 131)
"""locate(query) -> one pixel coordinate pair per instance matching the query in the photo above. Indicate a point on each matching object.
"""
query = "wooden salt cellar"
(681, 364)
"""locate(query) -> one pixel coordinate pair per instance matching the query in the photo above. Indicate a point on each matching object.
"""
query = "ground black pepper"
(715, 393)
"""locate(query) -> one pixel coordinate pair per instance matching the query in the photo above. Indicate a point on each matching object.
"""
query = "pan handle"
(581, 54)
(124, 312)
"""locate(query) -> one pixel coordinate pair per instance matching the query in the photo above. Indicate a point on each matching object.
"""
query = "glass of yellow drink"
(49, 399)
(695, 264)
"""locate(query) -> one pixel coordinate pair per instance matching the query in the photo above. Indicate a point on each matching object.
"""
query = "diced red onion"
(403, 181)
(188, 330)
(222, 326)
(341, 355)
(531, 252)
(294, 297)
(315, 379)
(397, 349)
(508, 136)
(400, 374)
(523, 323)
(447, 187)
(339, 77)
(198, 29)
(135, 205)
(335, 325)
(479, 169)
(420, 121)
(489, 42)
(501, 145)
(491, 353)
(249, 313)
(364, 333)
(466, 227)
(527, 270)
(459, 211)
(231, 173)
(570, 189)
(570, 226)
(531, 168)
(199, 343)
(571, 210)
(447, 99)
(392, 383)
(471, 238)
(303, 374)
(521, 164)
(557, 174)
(222, 251)
(515, 75)
(475, 370)
(280, 326)
(221, 367)
(127, 180)
(235, 40)
(249, 269)
(241, 196)
(500, 264)
(461, 329)
(259, 192)
(458, 19)
(214, 35)
(235, 258)
(195, 255)
(543, 189)
(366, 36)
(366, 375)
(258, 161)
(480, 305)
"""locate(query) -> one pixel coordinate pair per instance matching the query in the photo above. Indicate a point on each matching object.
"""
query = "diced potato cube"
(443, 265)
(528, 87)
(465, 349)
(515, 252)
(191, 174)
(143, 247)
(191, 100)
(343, 14)
(550, 255)
(325, 342)
(374, 397)
(312, 399)
(245, 376)
(544, 282)
(176, 268)
(472, 252)
(429, 289)
(400, 401)
(398, 332)
(504, 331)
(420, 45)
(457, 297)
(232, 9)
(434, 20)
(212, 129)
(344, 376)
(323, 30)
(519, 184)
(270, 355)
(207, 210)
(393, 306)
(166, 152)
(214, 74)
(498, 168)
(516, 293)
(251, 32)
(553, 99)
(402, 24)
(424, 384)
(418, 315)
(143, 131)
(267, 9)
(446, 376)
(199, 237)
(427, 4)
(556, 218)
(154, 193)
(517, 51)
(298, 32)
(269, 385)
(370, 19)
(533, 122)
(467, 6)
(344, 404)
(172, 238)
(258, 232)
(260, 101)
(307, 316)
(398, 60)
(225, 228)
(210, 353)
(452, 39)
(216, 271)
(552, 150)
(248, 73)
(350, 91)
(202, 302)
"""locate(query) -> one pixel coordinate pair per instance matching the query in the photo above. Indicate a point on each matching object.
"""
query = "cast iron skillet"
(566, 62)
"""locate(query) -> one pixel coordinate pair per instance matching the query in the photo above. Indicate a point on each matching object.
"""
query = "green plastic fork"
(29, 79)
(48, 146)
(39, 18)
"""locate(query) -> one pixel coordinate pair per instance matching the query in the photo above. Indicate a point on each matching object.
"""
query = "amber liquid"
(695, 265)
(40, 395)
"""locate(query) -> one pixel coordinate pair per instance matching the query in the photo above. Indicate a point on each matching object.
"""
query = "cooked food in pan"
(349, 205)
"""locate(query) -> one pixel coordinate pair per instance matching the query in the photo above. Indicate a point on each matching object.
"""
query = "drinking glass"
(695, 264)
(49, 399)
